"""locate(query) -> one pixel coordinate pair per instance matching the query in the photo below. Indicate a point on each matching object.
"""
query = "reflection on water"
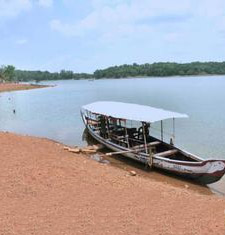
(54, 112)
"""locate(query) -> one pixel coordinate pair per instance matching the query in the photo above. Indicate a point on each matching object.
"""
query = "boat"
(110, 124)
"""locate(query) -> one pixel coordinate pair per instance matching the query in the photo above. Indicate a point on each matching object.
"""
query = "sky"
(85, 35)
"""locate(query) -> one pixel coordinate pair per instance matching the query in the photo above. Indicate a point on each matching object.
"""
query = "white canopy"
(133, 112)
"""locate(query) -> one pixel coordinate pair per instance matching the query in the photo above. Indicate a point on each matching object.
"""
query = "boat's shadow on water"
(155, 174)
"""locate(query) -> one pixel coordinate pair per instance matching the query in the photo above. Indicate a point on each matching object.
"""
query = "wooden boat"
(107, 122)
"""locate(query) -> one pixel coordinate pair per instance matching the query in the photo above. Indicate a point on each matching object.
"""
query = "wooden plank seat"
(136, 140)
(151, 144)
(118, 137)
(167, 153)
(154, 143)
(96, 128)
(121, 139)
(92, 122)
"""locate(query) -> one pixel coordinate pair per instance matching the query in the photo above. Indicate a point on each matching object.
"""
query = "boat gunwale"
(198, 161)
(145, 156)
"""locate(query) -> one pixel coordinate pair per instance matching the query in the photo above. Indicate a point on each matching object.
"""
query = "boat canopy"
(129, 111)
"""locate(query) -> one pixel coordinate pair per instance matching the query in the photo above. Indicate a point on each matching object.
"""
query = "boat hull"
(205, 172)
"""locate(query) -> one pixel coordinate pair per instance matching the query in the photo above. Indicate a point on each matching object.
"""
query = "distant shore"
(46, 189)
(18, 86)
(172, 76)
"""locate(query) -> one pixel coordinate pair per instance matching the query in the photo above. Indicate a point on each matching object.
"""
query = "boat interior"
(134, 138)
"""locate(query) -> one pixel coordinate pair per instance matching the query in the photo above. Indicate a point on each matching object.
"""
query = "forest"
(162, 70)
(10, 73)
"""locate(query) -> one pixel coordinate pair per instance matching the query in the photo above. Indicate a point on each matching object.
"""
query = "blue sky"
(83, 35)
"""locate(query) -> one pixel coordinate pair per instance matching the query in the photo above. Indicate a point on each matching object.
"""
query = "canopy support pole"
(144, 135)
(173, 130)
(162, 130)
(127, 137)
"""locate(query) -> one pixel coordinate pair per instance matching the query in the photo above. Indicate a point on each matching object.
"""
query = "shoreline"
(47, 189)
(172, 76)
(7, 87)
(23, 86)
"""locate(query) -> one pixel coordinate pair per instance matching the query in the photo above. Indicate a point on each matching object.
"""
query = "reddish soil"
(47, 190)
(17, 86)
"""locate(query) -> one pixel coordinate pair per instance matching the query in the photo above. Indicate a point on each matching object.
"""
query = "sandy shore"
(47, 190)
(17, 86)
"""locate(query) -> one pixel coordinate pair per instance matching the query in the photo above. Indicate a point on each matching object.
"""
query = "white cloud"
(21, 41)
(172, 37)
(112, 18)
(11, 8)
(45, 3)
(148, 30)
(66, 29)
(209, 8)
(111, 21)
(211, 11)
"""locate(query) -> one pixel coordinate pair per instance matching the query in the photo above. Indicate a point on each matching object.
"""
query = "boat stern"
(215, 172)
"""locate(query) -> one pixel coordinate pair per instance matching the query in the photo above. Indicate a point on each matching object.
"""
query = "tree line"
(10, 73)
(162, 70)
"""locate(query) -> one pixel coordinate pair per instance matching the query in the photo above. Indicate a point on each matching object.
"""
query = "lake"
(54, 112)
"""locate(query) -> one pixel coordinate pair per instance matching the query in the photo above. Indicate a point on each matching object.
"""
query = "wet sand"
(160, 176)
(18, 86)
(47, 190)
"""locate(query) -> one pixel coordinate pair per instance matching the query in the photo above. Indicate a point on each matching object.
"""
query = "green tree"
(1, 75)
(9, 73)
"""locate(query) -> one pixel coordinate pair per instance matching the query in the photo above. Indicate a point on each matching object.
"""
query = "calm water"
(55, 112)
